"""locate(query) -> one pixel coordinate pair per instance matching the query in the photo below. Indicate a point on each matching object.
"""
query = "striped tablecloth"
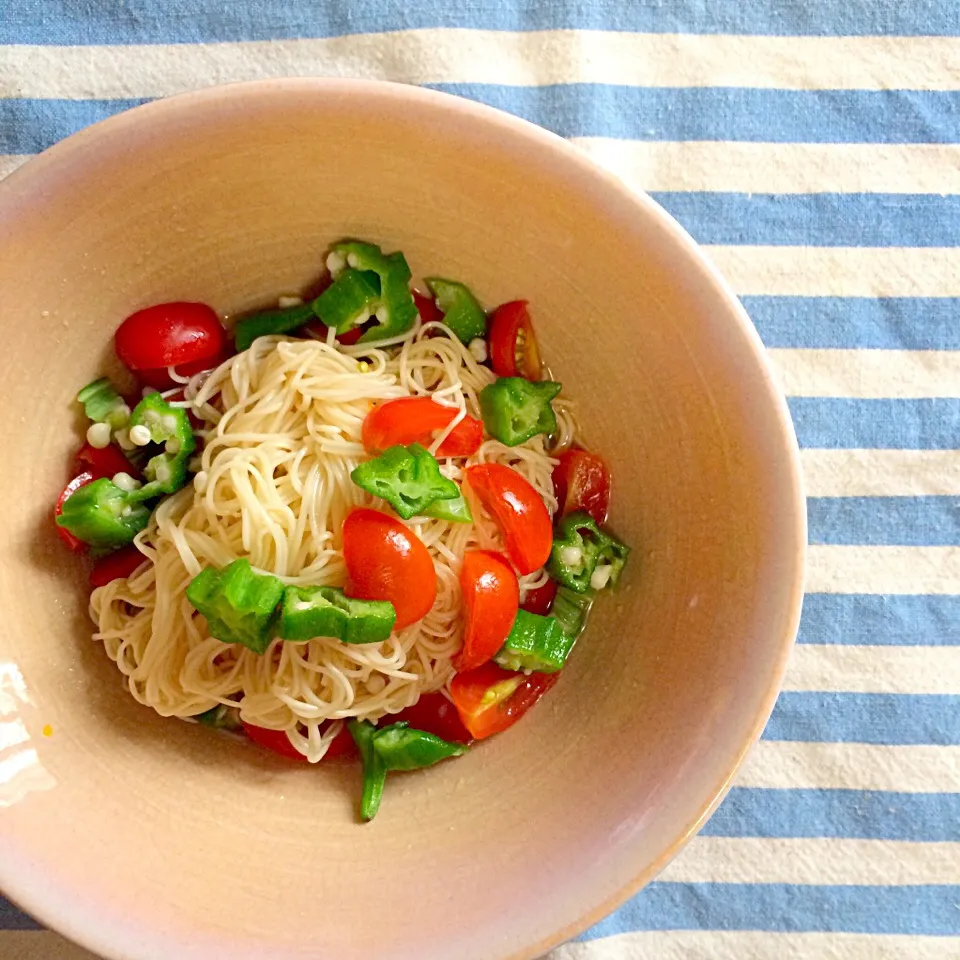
(813, 146)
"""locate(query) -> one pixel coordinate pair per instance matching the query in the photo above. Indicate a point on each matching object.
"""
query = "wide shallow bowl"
(148, 838)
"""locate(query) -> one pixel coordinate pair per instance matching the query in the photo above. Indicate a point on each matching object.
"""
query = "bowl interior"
(145, 837)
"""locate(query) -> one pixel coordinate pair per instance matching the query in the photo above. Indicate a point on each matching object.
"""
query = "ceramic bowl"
(147, 839)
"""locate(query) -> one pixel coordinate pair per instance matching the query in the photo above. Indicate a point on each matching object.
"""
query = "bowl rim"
(82, 927)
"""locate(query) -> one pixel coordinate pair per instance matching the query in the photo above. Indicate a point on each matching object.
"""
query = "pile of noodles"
(281, 428)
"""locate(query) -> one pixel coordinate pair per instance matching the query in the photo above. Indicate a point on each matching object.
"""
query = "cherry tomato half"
(416, 420)
(342, 746)
(82, 479)
(490, 699)
(491, 598)
(116, 566)
(540, 600)
(434, 713)
(386, 561)
(160, 378)
(427, 307)
(513, 344)
(169, 334)
(103, 462)
(275, 741)
(319, 331)
(581, 481)
(517, 510)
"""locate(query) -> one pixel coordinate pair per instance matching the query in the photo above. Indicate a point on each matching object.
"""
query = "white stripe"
(868, 373)
(881, 473)
(492, 56)
(751, 945)
(780, 167)
(10, 161)
(882, 669)
(860, 569)
(840, 271)
(814, 861)
(785, 765)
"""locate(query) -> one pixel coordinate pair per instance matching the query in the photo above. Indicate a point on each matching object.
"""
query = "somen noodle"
(280, 433)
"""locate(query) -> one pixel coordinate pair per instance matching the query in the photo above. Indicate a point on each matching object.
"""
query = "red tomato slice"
(490, 699)
(342, 746)
(160, 378)
(540, 601)
(427, 307)
(77, 546)
(169, 334)
(385, 561)
(274, 740)
(517, 510)
(319, 331)
(105, 462)
(115, 566)
(491, 598)
(581, 481)
(417, 420)
(513, 344)
(434, 713)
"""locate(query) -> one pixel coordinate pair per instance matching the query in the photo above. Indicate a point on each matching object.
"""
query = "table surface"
(814, 149)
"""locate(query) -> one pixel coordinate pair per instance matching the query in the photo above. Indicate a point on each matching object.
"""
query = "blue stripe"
(818, 219)
(12, 919)
(871, 619)
(931, 910)
(729, 113)
(904, 521)
(878, 718)
(638, 113)
(857, 814)
(183, 21)
(897, 620)
(828, 423)
(29, 126)
(899, 323)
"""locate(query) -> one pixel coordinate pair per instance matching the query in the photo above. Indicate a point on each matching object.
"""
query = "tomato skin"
(517, 510)
(507, 323)
(116, 566)
(491, 598)
(320, 330)
(386, 561)
(81, 480)
(106, 462)
(273, 740)
(169, 334)
(415, 420)
(468, 690)
(276, 741)
(581, 481)
(434, 713)
(161, 380)
(540, 600)
(427, 307)
(342, 746)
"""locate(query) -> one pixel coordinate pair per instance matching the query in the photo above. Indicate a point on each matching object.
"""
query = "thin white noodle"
(281, 431)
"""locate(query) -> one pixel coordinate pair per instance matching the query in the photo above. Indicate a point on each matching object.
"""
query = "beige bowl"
(148, 838)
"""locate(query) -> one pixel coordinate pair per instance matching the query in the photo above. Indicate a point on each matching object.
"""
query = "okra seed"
(140, 435)
(478, 349)
(98, 435)
(125, 482)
